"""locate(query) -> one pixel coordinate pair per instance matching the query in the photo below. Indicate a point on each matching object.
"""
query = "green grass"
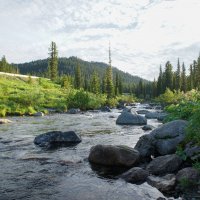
(20, 96)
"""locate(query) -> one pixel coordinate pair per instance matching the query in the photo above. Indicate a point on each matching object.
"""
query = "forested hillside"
(67, 66)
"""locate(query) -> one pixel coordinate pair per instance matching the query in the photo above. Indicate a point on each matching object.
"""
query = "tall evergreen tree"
(198, 73)
(168, 76)
(109, 81)
(183, 79)
(53, 61)
(77, 78)
(95, 83)
(160, 82)
(178, 77)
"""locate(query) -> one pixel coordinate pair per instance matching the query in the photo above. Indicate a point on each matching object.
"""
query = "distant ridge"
(67, 66)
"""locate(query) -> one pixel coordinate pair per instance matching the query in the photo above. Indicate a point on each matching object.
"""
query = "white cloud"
(143, 33)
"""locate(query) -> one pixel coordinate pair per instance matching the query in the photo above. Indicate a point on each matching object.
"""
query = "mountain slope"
(67, 66)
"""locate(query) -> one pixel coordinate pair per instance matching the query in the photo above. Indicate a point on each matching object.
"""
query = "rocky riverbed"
(30, 172)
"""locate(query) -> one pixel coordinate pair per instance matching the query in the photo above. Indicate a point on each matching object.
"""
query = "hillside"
(67, 66)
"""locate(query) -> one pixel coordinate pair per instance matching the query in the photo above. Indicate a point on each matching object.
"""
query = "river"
(29, 172)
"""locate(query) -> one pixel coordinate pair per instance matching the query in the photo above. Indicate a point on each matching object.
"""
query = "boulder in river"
(152, 115)
(110, 155)
(162, 140)
(164, 164)
(147, 127)
(105, 109)
(142, 112)
(73, 111)
(56, 138)
(135, 175)
(5, 121)
(128, 118)
(38, 114)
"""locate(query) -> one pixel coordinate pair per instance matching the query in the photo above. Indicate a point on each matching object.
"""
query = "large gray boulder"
(162, 140)
(38, 114)
(164, 164)
(129, 118)
(135, 175)
(56, 138)
(192, 151)
(110, 155)
(168, 136)
(164, 184)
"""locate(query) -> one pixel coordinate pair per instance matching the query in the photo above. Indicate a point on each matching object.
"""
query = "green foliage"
(85, 100)
(180, 152)
(196, 165)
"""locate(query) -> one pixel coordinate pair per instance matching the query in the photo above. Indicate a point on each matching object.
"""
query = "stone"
(164, 184)
(189, 174)
(192, 151)
(145, 146)
(38, 114)
(162, 116)
(5, 121)
(105, 109)
(142, 112)
(110, 155)
(169, 136)
(73, 111)
(135, 175)
(57, 138)
(162, 140)
(164, 164)
(147, 127)
(128, 118)
(152, 115)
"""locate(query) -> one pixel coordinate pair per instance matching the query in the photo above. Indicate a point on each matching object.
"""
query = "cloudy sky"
(143, 33)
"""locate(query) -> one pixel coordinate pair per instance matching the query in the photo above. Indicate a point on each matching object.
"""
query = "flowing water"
(29, 172)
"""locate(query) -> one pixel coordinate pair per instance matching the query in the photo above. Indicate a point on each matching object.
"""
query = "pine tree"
(198, 73)
(178, 77)
(53, 61)
(168, 76)
(95, 83)
(183, 79)
(77, 78)
(160, 82)
(190, 79)
(109, 81)
(120, 86)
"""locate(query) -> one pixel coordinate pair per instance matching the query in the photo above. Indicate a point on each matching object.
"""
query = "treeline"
(178, 80)
(6, 67)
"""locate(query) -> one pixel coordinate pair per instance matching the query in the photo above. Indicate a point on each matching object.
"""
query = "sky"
(143, 33)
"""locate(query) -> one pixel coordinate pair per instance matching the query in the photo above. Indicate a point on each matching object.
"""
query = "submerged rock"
(38, 114)
(128, 118)
(105, 109)
(56, 138)
(5, 121)
(164, 164)
(152, 115)
(73, 111)
(142, 112)
(135, 175)
(110, 155)
(147, 127)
